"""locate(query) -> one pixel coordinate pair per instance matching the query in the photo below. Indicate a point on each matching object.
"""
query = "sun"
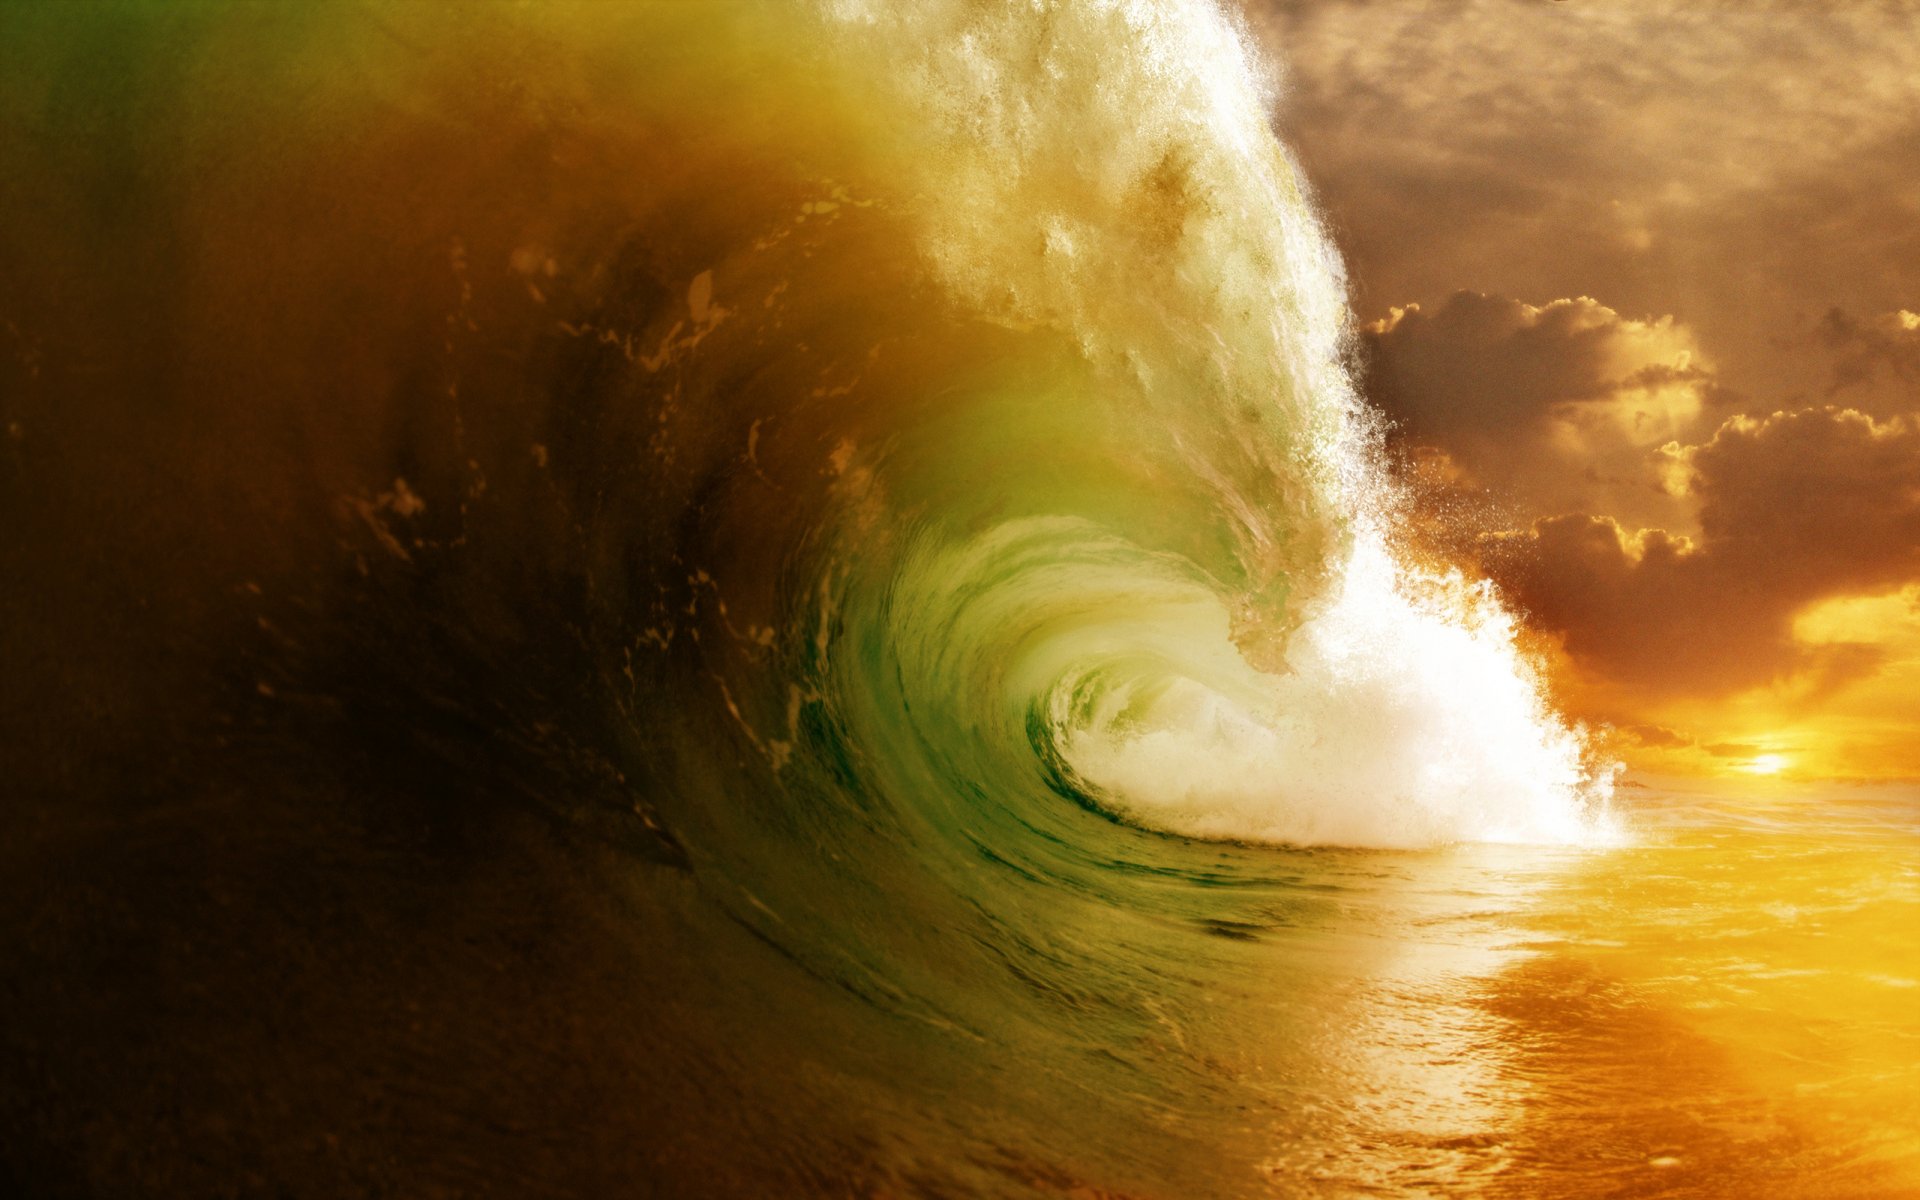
(1764, 764)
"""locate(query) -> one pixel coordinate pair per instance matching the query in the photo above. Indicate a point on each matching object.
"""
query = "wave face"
(1103, 520)
(886, 472)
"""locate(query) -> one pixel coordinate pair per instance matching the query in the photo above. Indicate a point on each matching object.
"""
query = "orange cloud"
(1559, 405)
(1793, 508)
(1737, 166)
(1737, 170)
(1881, 350)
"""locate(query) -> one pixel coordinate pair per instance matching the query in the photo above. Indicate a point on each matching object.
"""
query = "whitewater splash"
(1156, 553)
(1400, 721)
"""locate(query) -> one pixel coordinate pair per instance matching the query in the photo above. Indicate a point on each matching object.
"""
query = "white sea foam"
(1406, 719)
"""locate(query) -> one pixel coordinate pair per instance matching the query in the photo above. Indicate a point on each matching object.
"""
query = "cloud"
(1793, 508)
(1560, 406)
(1480, 363)
(1743, 168)
(1656, 737)
(1877, 350)
(1668, 544)
(1738, 166)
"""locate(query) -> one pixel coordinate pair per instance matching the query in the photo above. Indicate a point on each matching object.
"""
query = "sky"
(1639, 287)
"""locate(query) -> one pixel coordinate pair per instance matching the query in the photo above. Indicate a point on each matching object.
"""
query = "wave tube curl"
(1150, 561)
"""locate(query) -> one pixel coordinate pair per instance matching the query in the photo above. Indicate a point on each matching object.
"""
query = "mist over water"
(767, 599)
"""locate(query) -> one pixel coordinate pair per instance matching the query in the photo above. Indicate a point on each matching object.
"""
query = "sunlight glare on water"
(1727, 1006)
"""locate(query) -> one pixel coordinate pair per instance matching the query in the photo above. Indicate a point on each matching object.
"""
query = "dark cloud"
(1559, 405)
(1880, 350)
(1794, 508)
(1489, 364)
(1738, 166)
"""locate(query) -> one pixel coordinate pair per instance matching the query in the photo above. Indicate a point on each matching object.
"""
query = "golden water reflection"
(1728, 1006)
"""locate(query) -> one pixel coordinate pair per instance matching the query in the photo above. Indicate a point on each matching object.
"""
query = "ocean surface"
(796, 599)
